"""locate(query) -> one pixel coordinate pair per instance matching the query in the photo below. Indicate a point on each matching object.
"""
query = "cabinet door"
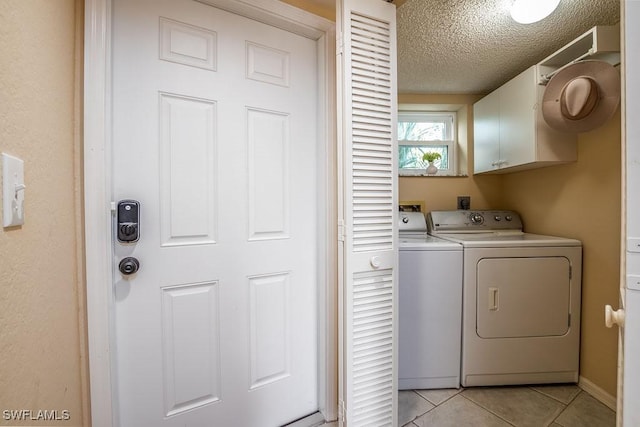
(486, 133)
(517, 120)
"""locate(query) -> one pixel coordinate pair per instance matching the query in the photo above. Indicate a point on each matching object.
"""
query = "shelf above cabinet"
(600, 42)
(510, 133)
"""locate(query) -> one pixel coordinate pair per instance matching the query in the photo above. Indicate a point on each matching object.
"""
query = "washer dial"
(476, 218)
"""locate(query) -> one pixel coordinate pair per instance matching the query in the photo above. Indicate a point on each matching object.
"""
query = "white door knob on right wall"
(613, 317)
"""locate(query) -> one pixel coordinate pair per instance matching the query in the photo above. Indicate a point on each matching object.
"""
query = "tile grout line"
(555, 420)
(556, 399)
(435, 405)
(488, 410)
(576, 396)
(565, 405)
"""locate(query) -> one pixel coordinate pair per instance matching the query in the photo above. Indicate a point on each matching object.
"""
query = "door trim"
(98, 196)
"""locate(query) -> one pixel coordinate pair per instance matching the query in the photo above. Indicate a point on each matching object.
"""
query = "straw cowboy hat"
(582, 96)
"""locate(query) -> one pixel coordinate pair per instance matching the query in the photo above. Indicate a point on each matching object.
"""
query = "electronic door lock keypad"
(128, 227)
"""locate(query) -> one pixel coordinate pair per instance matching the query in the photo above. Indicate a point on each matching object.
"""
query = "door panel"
(187, 171)
(190, 346)
(215, 134)
(367, 144)
(268, 157)
(629, 391)
(523, 297)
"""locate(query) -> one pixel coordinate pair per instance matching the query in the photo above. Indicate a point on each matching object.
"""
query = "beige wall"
(321, 8)
(582, 200)
(42, 337)
(440, 193)
(579, 200)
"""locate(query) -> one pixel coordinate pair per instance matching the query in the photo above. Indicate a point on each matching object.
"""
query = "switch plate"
(633, 282)
(12, 191)
(633, 244)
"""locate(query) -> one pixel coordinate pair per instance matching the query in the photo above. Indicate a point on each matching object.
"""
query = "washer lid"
(427, 243)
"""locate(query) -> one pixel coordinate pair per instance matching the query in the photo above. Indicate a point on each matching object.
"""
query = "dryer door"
(523, 297)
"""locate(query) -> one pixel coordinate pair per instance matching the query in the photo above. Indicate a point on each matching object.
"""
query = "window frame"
(450, 143)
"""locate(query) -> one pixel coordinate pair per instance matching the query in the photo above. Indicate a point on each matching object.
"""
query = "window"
(420, 132)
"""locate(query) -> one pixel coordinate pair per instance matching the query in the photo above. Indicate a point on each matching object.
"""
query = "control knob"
(476, 218)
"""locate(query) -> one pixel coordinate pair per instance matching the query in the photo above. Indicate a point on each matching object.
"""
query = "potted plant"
(431, 156)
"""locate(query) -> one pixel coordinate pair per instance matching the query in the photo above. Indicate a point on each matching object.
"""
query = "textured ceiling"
(473, 46)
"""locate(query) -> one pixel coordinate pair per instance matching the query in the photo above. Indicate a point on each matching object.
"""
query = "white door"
(630, 387)
(214, 133)
(367, 113)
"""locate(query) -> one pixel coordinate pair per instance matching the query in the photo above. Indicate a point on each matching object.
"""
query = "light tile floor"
(535, 406)
(546, 405)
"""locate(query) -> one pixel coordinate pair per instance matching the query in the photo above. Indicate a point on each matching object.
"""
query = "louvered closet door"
(367, 68)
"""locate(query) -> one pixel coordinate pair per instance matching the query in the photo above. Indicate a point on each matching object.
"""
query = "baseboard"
(597, 392)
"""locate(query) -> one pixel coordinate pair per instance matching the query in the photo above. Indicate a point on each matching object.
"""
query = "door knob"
(613, 317)
(375, 262)
(129, 265)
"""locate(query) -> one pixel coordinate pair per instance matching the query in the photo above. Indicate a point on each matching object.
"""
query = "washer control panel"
(412, 221)
(462, 221)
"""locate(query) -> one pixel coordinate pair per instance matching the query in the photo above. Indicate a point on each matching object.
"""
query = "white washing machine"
(521, 299)
(430, 307)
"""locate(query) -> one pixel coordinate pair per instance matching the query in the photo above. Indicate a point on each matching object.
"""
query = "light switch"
(13, 189)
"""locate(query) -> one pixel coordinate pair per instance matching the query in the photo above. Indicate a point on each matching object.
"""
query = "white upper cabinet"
(510, 133)
(486, 130)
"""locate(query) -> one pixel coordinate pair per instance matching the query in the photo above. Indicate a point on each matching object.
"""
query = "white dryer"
(521, 299)
(430, 307)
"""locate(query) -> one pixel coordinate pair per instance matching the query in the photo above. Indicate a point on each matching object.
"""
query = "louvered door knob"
(375, 262)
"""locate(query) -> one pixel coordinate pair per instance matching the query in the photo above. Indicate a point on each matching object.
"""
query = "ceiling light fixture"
(529, 11)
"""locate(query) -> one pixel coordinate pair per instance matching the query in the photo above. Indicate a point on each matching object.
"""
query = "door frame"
(99, 205)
